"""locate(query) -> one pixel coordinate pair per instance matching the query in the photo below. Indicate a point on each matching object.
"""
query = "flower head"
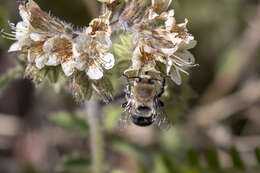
(168, 43)
(91, 48)
(47, 41)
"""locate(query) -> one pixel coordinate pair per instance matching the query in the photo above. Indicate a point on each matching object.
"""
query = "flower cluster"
(82, 56)
(168, 43)
(47, 42)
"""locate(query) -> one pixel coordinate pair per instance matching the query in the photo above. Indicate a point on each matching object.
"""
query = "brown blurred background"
(216, 110)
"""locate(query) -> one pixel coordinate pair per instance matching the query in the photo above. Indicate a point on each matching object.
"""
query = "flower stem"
(93, 114)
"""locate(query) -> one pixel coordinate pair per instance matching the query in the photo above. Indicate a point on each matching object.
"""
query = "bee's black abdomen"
(142, 121)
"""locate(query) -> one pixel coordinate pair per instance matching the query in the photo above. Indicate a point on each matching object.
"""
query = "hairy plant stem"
(93, 115)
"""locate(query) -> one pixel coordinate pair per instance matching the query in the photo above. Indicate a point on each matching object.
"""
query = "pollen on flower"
(84, 55)
(50, 43)
(167, 43)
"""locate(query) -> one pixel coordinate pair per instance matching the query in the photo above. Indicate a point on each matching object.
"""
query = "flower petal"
(40, 61)
(169, 66)
(185, 57)
(79, 64)
(152, 15)
(24, 14)
(94, 72)
(52, 60)
(170, 23)
(22, 31)
(68, 67)
(109, 61)
(37, 37)
(175, 76)
(168, 51)
(15, 47)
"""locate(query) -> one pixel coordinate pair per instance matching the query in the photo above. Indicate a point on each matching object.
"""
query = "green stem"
(94, 112)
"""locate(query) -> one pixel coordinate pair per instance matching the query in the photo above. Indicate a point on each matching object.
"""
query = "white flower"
(99, 27)
(92, 58)
(143, 59)
(90, 49)
(68, 67)
(109, 61)
(40, 61)
(94, 72)
(107, 1)
(58, 49)
(21, 34)
(158, 10)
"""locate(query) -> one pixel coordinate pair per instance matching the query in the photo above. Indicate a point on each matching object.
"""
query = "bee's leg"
(137, 79)
(162, 88)
(160, 103)
(124, 105)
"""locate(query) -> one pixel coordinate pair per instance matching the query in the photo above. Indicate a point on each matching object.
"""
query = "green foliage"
(164, 161)
(257, 155)
(124, 49)
(71, 122)
(75, 163)
(129, 149)
(118, 171)
(111, 120)
(236, 159)
(81, 87)
(193, 158)
(29, 168)
(10, 76)
(212, 159)
(104, 88)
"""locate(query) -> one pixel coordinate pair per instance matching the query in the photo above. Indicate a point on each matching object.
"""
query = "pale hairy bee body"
(143, 102)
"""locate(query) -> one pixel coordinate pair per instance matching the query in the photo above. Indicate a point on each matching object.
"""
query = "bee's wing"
(161, 120)
(124, 120)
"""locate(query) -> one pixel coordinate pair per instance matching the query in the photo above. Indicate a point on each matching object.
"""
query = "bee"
(143, 106)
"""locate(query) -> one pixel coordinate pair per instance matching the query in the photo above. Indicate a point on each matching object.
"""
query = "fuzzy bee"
(143, 106)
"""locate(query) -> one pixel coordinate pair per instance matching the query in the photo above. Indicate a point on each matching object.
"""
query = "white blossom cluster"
(50, 42)
(168, 43)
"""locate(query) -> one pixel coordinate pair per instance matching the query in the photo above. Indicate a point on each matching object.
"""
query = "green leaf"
(212, 159)
(112, 113)
(81, 87)
(75, 163)
(257, 155)
(122, 65)
(193, 158)
(29, 168)
(104, 88)
(129, 149)
(159, 166)
(124, 49)
(236, 159)
(171, 167)
(53, 74)
(118, 171)
(70, 122)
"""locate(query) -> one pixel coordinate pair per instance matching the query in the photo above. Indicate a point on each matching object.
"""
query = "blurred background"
(216, 112)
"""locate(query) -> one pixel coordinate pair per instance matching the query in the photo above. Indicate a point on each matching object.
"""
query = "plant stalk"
(93, 115)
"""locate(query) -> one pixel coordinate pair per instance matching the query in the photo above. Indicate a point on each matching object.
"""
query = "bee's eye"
(150, 81)
(138, 79)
